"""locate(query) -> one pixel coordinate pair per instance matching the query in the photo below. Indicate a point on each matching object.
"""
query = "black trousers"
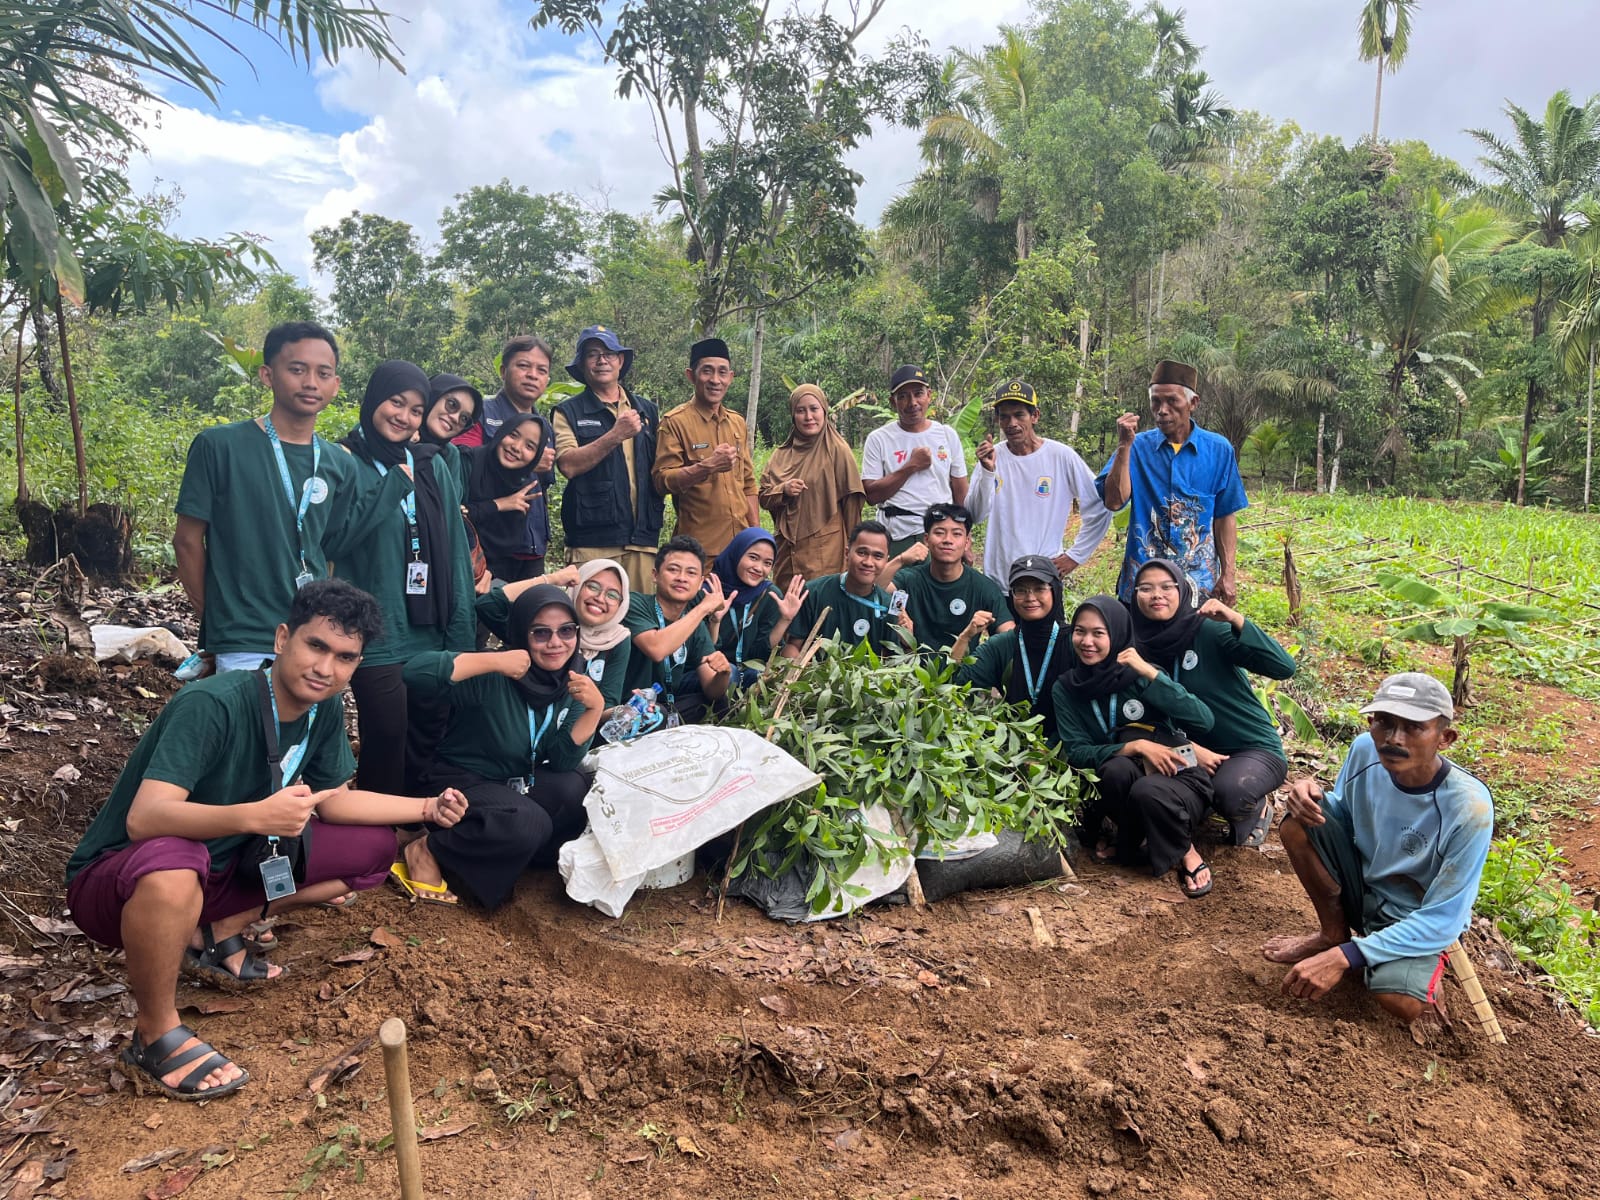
(399, 732)
(1241, 785)
(504, 832)
(1161, 811)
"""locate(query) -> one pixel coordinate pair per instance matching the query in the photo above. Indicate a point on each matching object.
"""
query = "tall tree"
(996, 94)
(1541, 175)
(1578, 329)
(1385, 36)
(513, 255)
(1425, 302)
(387, 299)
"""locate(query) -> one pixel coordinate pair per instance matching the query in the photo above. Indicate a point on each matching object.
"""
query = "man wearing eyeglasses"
(911, 462)
(1183, 482)
(606, 448)
(703, 461)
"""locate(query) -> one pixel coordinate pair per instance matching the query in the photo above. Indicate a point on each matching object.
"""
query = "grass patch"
(1523, 893)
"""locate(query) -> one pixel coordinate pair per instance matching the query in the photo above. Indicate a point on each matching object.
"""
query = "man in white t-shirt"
(913, 463)
(1025, 489)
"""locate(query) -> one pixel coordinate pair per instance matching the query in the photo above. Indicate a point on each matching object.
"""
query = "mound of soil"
(933, 1053)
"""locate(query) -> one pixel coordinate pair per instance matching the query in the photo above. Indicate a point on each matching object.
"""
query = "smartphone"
(1186, 752)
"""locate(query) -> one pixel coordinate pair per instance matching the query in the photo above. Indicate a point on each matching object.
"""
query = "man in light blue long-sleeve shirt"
(1390, 856)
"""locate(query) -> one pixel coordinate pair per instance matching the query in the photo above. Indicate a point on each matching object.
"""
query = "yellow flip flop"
(428, 893)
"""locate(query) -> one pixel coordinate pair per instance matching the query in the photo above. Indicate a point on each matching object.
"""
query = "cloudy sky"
(484, 97)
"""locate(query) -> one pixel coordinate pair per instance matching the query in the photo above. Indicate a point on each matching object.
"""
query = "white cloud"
(483, 98)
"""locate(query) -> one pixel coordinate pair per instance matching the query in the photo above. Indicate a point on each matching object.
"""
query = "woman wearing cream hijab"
(812, 488)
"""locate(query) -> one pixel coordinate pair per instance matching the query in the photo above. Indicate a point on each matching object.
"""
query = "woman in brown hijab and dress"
(812, 488)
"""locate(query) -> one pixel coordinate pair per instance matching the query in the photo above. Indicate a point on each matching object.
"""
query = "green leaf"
(53, 164)
(1414, 590)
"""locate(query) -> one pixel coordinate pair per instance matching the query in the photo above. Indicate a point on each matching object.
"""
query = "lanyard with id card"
(312, 481)
(416, 569)
(280, 860)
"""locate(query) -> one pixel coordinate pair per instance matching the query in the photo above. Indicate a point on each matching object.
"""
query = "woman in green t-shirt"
(413, 560)
(1212, 650)
(520, 722)
(759, 613)
(1128, 723)
(601, 597)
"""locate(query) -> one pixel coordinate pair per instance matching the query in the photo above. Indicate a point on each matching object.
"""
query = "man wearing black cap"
(702, 461)
(1025, 489)
(1184, 484)
(912, 462)
(1390, 855)
(606, 447)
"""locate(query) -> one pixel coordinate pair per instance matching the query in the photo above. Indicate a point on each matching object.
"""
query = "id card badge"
(277, 878)
(302, 579)
(897, 603)
(416, 579)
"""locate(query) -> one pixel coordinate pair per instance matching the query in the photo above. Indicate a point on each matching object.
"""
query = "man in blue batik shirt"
(1390, 855)
(1184, 484)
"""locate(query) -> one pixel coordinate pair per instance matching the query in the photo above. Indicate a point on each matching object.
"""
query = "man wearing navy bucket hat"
(606, 447)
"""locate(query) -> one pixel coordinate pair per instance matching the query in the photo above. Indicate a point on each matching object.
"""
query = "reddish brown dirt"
(902, 1054)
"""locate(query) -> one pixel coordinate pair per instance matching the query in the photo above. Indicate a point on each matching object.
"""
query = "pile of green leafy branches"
(944, 760)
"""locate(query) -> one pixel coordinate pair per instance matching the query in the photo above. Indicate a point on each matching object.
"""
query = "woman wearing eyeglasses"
(1209, 648)
(521, 720)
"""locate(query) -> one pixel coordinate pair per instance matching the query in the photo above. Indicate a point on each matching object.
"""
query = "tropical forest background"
(1367, 317)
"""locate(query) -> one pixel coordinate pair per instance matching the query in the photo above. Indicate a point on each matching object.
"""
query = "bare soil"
(936, 1053)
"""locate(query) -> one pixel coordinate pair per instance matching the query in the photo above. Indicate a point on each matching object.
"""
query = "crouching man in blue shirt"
(1390, 856)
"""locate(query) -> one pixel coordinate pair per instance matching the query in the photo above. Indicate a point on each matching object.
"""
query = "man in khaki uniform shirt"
(702, 460)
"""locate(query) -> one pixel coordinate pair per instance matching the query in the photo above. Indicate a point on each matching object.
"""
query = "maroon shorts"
(359, 855)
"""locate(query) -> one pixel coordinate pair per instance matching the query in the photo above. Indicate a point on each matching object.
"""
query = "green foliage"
(896, 732)
(1501, 472)
(388, 300)
(1455, 617)
(1536, 910)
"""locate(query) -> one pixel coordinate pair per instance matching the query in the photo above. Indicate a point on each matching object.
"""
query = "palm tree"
(1542, 175)
(1578, 328)
(1238, 376)
(1175, 51)
(992, 104)
(1194, 121)
(1427, 300)
(70, 72)
(1385, 42)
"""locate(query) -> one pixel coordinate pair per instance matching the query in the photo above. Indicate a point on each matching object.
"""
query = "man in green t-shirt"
(857, 608)
(231, 760)
(951, 604)
(265, 503)
(671, 644)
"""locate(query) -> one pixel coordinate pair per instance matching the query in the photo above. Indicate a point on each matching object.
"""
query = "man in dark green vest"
(606, 448)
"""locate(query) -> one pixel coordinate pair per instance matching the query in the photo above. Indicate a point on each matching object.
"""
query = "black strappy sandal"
(145, 1065)
(1186, 880)
(207, 965)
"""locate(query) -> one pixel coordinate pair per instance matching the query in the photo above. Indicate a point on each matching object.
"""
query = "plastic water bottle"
(631, 721)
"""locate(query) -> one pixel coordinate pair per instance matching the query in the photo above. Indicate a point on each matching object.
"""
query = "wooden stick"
(1467, 975)
(913, 881)
(807, 653)
(402, 1116)
(1041, 933)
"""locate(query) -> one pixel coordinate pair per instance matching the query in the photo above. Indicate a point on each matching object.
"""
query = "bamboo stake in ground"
(808, 651)
(402, 1116)
(1468, 977)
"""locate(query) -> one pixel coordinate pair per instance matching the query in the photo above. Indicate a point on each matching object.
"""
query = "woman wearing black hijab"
(521, 720)
(1124, 720)
(413, 559)
(1208, 648)
(502, 480)
(1023, 663)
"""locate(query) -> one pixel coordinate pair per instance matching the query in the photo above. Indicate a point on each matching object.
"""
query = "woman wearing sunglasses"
(521, 720)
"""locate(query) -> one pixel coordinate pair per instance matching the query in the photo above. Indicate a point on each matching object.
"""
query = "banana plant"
(1464, 625)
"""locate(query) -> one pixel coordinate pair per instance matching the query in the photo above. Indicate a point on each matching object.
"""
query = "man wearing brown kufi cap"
(1183, 482)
